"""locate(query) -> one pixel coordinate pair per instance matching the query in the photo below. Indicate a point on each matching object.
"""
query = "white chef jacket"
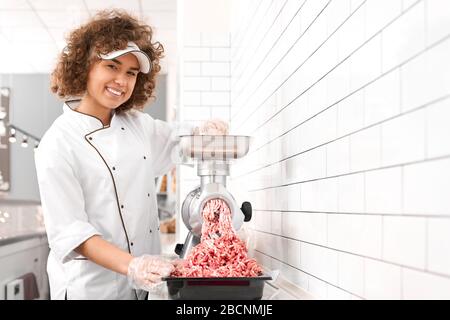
(99, 180)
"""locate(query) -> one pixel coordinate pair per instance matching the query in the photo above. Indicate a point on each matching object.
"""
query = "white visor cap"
(142, 57)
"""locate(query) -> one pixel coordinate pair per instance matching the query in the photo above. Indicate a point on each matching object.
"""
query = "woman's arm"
(143, 272)
(105, 254)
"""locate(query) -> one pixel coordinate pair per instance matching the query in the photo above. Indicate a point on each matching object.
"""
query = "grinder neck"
(213, 172)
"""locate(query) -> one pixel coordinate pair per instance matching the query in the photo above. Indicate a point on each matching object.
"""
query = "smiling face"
(111, 82)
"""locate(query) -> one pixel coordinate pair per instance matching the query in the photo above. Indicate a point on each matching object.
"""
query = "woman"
(97, 162)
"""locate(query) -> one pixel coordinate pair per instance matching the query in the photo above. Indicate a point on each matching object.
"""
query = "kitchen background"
(348, 104)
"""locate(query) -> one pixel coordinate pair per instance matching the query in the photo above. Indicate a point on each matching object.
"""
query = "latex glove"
(212, 127)
(145, 272)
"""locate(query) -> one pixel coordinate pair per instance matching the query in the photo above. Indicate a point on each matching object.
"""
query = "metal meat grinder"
(213, 155)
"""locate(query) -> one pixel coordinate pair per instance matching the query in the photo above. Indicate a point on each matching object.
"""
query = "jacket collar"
(88, 122)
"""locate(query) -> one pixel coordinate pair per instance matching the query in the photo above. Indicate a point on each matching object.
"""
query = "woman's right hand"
(145, 272)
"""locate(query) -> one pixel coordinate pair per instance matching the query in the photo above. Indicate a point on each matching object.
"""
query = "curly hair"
(107, 31)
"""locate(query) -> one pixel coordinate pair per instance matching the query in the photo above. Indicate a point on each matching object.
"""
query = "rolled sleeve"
(62, 200)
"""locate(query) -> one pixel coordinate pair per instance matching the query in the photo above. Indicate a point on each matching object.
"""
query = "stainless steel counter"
(20, 221)
(10, 239)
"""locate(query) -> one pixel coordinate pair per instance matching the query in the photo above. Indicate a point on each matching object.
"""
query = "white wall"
(349, 173)
(205, 92)
(212, 16)
(204, 75)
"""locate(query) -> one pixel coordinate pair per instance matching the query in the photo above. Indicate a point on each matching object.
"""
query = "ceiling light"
(24, 143)
(12, 136)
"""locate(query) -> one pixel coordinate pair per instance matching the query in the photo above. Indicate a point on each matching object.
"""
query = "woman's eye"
(111, 66)
(132, 73)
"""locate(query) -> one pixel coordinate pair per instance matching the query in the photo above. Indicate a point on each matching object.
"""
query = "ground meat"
(213, 127)
(220, 253)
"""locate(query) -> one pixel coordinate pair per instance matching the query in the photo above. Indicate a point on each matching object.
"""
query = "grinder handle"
(247, 211)
(179, 248)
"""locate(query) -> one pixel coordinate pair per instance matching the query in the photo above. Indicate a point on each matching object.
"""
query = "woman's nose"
(121, 80)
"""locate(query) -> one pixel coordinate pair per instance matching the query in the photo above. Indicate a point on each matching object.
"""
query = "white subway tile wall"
(204, 93)
(348, 104)
(205, 82)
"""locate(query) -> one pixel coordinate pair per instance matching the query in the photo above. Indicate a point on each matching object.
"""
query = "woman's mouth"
(114, 92)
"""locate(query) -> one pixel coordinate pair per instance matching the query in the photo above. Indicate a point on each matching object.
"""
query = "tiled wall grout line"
(250, 22)
(362, 87)
(359, 47)
(350, 158)
(240, 52)
(349, 134)
(290, 48)
(309, 274)
(242, 23)
(261, 41)
(353, 254)
(284, 55)
(268, 52)
(357, 172)
(345, 59)
(340, 212)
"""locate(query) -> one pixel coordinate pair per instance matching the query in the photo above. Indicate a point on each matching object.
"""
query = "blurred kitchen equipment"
(30, 286)
(213, 155)
(14, 290)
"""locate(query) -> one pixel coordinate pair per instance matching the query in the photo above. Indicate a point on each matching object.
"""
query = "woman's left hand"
(212, 127)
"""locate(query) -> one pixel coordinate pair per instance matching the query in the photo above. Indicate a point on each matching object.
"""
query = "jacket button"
(122, 128)
(121, 206)
(114, 168)
(145, 157)
(90, 138)
(150, 230)
(132, 243)
(148, 194)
